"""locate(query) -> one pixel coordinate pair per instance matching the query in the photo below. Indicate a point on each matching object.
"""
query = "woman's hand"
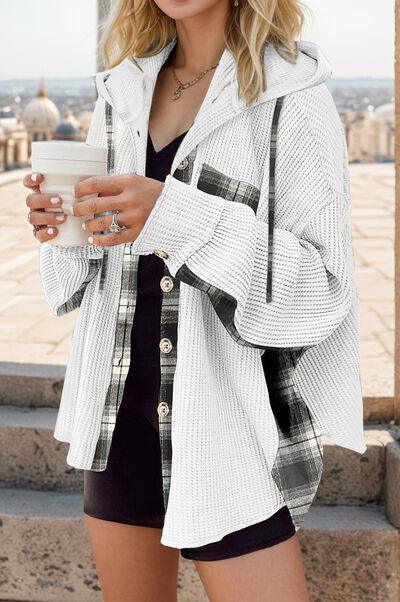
(45, 221)
(131, 196)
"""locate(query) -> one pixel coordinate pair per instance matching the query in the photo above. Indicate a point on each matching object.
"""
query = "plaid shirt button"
(160, 253)
(162, 408)
(165, 345)
(166, 283)
(183, 164)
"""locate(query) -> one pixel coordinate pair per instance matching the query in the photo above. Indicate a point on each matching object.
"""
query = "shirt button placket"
(168, 351)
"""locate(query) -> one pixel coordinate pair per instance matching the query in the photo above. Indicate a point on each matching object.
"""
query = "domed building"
(41, 116)
(70, 117)
(68, 128)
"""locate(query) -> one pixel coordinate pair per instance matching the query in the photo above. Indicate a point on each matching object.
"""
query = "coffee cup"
(63, 164)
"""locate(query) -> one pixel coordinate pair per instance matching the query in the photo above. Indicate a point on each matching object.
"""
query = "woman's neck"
(200, 42)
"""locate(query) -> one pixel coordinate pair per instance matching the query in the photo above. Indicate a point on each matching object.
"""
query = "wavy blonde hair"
(138, 28)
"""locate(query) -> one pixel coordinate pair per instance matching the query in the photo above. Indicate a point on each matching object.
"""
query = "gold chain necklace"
(182, 86)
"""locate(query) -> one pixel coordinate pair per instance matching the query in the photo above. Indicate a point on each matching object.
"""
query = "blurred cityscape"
(62, 109)
(33, 110)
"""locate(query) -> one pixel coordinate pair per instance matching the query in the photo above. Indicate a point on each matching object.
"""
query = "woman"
(217, 337)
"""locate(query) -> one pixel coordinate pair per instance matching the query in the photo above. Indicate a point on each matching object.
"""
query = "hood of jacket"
(124, 86)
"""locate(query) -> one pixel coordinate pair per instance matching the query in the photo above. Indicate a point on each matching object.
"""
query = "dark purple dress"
(130, 489)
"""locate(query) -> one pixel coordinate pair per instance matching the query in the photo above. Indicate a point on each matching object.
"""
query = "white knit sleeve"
(220, 247)
(65, 275)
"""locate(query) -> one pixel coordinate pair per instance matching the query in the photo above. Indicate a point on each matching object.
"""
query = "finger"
(112, 239)
(99, 184)
(45, 234)
(98, 205)
(37, 200)
(47, 218)
(32, 180)
(104, 222)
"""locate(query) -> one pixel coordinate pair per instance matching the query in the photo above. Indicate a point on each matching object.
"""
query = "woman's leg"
(266, 575)
(132, 564)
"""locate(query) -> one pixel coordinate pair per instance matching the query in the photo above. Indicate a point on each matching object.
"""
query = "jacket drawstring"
(271, 192)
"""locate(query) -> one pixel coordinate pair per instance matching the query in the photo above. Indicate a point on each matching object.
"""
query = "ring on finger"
(115, 227)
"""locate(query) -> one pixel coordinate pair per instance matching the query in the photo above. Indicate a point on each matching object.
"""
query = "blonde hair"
(138, 28)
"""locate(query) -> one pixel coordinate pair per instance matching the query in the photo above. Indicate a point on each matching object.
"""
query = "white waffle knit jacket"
(225, 432)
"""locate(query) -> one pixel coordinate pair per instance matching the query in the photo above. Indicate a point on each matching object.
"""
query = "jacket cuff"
(182, 220)
(86, 252)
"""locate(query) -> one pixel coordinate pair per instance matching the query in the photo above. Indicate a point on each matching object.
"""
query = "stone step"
(392, 482)
(44, 551)
(30, 456)
(350, 553)
(30, 385)
(356, 479)
(33, 458)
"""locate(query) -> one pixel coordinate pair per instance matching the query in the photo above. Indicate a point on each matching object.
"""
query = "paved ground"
(29, 333)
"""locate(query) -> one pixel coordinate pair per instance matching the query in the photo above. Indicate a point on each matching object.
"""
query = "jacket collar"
(312, 67)
(139, 75)
(129, 86)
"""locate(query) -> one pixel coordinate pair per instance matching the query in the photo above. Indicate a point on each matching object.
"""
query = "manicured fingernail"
(50, 231)
(84, 225)
(90, 240)
(55, 200)
(60, 218)
(35, 177)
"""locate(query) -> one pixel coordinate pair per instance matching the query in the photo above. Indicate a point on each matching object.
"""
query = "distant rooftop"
(6, 113)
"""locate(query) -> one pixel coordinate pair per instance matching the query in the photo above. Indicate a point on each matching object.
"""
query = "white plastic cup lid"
(66, 150)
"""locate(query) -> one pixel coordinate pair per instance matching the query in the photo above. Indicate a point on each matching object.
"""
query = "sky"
(57, 38)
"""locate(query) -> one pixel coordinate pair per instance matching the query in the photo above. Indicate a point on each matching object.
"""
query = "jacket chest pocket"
(215, 182)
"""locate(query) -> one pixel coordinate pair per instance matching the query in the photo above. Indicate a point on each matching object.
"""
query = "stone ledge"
(393, 483)
(36, 567)
(30, 455)
(31, 384)
(350, 553)
(350, 478)
(378, 408)
(44, 551)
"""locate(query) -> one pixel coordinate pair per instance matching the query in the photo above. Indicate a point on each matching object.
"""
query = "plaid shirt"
(298, 465)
